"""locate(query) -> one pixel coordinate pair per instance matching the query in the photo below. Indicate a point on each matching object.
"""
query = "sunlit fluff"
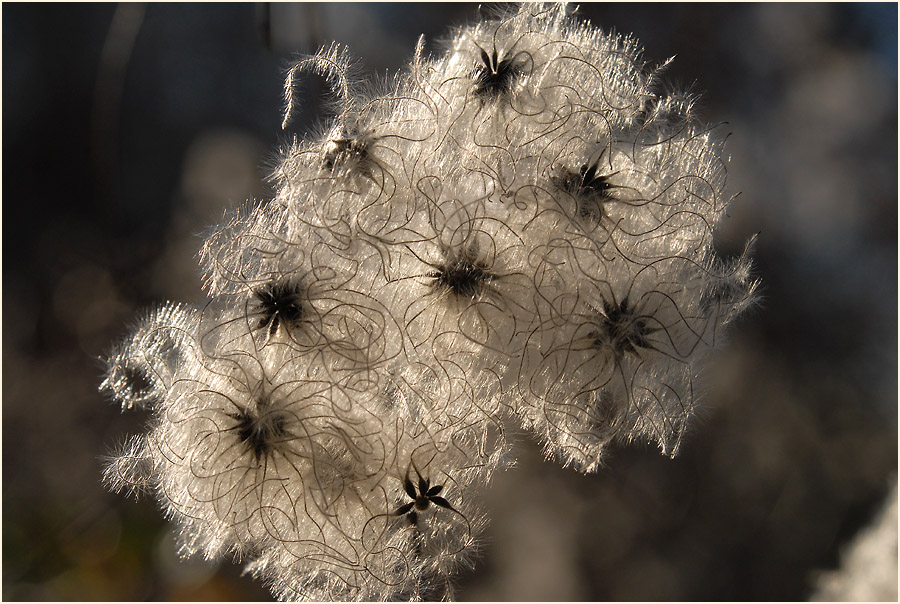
(515, 232)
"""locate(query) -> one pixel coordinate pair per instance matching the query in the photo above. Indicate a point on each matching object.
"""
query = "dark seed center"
(464, 279)
(259, 433)
(621, 330)
(279, 302)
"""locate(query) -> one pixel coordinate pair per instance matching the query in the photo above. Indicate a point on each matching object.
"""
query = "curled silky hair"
(516, 232)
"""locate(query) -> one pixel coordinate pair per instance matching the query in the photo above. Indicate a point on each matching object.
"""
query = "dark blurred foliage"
(129, 129)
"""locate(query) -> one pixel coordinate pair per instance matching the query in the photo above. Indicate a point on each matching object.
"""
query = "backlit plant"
(516, 232)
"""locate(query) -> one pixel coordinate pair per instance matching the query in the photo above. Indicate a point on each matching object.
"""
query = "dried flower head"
(517, 230)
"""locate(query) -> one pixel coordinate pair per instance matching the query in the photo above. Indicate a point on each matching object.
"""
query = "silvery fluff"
(517, 232)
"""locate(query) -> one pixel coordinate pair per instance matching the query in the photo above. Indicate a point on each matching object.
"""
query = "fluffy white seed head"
(517, 230)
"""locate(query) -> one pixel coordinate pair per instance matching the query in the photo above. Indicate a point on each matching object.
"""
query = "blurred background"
(129, 129)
